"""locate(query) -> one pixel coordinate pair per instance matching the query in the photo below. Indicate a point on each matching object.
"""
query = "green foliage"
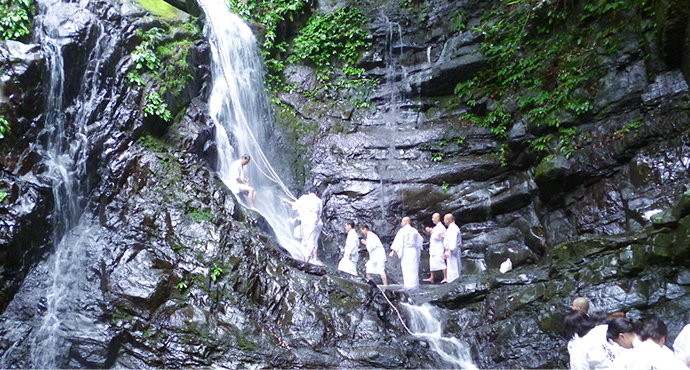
(182, 286)
(437, 157)
(3, 195)
(155, 51)
(461, 139)
(199, 215)
(4, 126)
(335, 37)
(151, 143)
(155, 106)
(444, 187)
(544, 55)
(16, 18)
(215, 273)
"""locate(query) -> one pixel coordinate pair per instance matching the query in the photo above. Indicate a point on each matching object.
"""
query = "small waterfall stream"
(243, 119)
(424, 323)
(64, 293)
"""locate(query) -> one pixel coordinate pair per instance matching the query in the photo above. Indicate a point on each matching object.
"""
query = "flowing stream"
(243, 118)
(424, 323)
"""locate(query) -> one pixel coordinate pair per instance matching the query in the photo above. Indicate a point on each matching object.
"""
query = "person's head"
(581, 304)
(245, 159)
(364, 229)
(654, 328)
(577, 322)
(622, 331)
(349, 225)
(436, 218)
(406, 221)
(448, 219)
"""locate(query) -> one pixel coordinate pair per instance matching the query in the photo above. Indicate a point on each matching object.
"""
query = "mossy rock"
(164, 10)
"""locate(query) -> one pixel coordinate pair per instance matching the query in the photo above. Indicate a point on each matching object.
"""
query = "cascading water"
(425, 324)
(241, 113)
(63, 286)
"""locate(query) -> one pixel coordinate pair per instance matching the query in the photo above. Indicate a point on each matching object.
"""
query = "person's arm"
(288, 202)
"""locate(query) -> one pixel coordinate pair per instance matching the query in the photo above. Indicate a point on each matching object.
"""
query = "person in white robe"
(650, 352)
(408, 244)
(308, 208)
(437, 261)
(588, 345)
(351, 253)
(451, 243)
(681, 346)
(239, 182)
(377, 254)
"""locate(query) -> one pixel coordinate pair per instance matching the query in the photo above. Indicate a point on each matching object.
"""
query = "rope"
(396, 310)
(273, 175)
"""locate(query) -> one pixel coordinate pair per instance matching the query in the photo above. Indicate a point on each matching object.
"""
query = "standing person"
(651, 353)
(588, 345)
(437, 261)
(451, 243)
(239, 182)
(681, 346)
(351, 253)
(377, 255)
(407, 244)
(309, 208)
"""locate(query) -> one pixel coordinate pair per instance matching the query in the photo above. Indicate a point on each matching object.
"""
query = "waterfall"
(63, 288)
(242, 115)
(424, 323)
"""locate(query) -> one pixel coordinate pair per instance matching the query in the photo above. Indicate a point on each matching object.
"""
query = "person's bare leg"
(252, 195)
(368, 276)
(431, 278)
(445, 274)
(385, 279)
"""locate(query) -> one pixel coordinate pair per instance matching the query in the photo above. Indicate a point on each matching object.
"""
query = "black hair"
(351, 223)
(653, 327)
(246, 156)
(600, 317)
(577, 322)
(364, 226)
(618, 326)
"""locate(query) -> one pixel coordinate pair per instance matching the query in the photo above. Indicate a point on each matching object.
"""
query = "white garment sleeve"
(681, 346)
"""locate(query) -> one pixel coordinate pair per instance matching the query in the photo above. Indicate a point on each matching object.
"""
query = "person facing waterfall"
(377, 255)
(351, 253)
(451, 243)
(309, 208)
(437, 261)
(239, 183)
(407, 244)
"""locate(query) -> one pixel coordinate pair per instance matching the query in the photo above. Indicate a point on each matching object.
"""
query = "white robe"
(236, 172)
(351, 254)
(681, 346)
(592, 351)
(451, 242)
(377, 255)
(436, 260)
(648, 355)
(309, 209)
(407, 244)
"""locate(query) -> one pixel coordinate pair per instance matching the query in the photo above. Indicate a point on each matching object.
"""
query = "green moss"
(161, 9)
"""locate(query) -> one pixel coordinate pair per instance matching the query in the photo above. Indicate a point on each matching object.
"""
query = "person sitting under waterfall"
(239, 183)
(351, 253)
(377, 254)
(309, 208)
(451, 243)
(437, 262)
(407, 244)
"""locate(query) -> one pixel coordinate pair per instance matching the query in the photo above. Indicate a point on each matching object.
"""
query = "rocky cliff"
(168, 270)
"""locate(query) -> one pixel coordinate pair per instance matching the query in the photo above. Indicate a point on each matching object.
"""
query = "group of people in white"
(444, 250)
(600, 341)
(444, 243)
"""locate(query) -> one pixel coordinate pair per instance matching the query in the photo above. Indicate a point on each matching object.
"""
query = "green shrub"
(16, 18)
